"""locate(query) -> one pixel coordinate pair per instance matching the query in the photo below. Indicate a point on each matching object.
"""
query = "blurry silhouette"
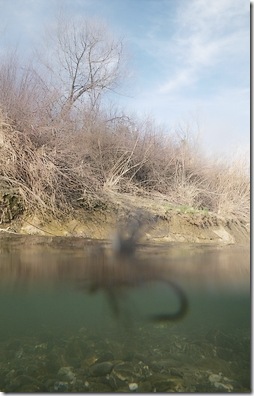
(119, 269)
(125, 240)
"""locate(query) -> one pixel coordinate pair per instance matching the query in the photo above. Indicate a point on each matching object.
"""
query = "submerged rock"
(126, 371)
(66, 374)
(133, 386)
(163, 383)
(105, 357)
(24, 382)
(221, 383)
(61, 386)
(100, 369)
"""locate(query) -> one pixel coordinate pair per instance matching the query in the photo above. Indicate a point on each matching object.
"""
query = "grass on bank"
(57, 170)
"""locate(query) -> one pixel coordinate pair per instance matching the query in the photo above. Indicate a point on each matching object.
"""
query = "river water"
(75, 317)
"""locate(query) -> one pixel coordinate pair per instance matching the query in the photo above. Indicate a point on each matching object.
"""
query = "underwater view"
(78, 317)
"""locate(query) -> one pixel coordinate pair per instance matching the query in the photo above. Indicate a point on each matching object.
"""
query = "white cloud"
(183, 78)
(207, 35)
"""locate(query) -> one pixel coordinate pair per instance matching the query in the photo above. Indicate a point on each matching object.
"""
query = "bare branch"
(86, 60)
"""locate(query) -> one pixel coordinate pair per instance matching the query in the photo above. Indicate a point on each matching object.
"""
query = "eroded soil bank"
(161, 222)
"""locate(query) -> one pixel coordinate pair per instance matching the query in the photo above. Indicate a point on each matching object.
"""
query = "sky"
(188, 60)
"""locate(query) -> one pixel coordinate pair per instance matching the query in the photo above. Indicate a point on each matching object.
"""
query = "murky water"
(77, 318)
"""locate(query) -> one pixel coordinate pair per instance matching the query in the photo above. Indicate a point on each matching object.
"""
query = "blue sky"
(188, 59)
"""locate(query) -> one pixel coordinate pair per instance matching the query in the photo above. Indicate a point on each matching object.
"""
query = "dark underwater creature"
(117, 270)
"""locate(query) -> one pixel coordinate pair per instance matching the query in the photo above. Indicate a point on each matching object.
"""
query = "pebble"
(42, 346)
(100, 369)
(219, 382)
(214, 378)
(66, 374)
(133, 386)
(61, 386)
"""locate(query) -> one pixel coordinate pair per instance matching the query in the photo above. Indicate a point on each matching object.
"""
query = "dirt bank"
(161, 222)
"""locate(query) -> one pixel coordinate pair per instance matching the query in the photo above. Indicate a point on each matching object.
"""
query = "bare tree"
(85, 61)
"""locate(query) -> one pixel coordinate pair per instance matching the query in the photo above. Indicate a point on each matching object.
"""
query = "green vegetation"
(62, 148)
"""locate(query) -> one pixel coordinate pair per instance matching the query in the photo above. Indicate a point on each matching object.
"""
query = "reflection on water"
(79, 317)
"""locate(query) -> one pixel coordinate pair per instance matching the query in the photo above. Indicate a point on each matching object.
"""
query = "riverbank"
(161, 222)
